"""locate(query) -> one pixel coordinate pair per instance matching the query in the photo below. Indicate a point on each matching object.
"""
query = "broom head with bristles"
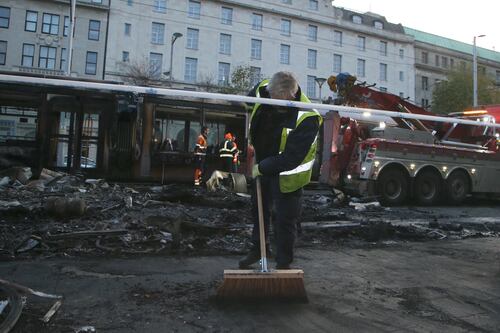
(256, 285)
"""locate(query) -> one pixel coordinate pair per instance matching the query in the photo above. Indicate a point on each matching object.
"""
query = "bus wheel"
(392, 186)
(457, 187)
(428, 188)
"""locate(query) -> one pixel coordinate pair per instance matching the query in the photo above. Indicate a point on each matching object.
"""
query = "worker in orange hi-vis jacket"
(200, 151)
(226, 152)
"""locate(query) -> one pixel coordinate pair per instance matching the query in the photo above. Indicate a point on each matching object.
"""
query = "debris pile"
(62, 214)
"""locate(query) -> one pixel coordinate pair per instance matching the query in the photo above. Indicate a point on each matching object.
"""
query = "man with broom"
(285, 141)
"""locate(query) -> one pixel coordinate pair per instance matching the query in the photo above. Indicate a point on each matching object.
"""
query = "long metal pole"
(171, 57)
(71, 33)
(474, 74)
(159, 92)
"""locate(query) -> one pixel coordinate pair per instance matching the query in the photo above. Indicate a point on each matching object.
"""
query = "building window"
(225, 44)
(157, 33)
(129, 2)
(361, 43)
(94, 29)
(497, 77)
(401, 76)
(125, 56)
(444, 62)
(4, 17)
(255, 75)
(128, 29)
(31, 21)
(223, 78)
(257, 20)
(160, 6)
(402, 95)
(378, 25)
(436, 62)
(425, 103)
(313, 4)
(452, 63)
(285, 54)
(311, 86)
(66, 26)
(361, 68)
(401, 53)
(425, 83)
(337, 63)
(28, 55)
(463, 65)
(190, 69)
(311, 58)
(194, 10)
(50, 24)
(425, 57)
(226, 16)
(64, 59)
(256, 49)
(47, 57)
(383, 89)
(312, 32)
(3, 52)
(91, 63)
(337, 38)
(155, 64)
(383, 48)
(383, 72)
(286, 27)
(192, 38)
(357, 19)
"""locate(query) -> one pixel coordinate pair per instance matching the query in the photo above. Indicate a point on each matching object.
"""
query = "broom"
(287, 284)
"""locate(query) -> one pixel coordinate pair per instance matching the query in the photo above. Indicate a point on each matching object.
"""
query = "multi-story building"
(209, 39)
(34, 37)
(435, 56)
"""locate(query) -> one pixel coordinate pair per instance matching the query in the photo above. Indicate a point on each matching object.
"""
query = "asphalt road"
(434, 286)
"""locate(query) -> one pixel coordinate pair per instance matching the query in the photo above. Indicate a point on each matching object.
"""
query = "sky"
(459, 20)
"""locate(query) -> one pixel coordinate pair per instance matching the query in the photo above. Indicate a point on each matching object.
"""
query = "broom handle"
(262, 233)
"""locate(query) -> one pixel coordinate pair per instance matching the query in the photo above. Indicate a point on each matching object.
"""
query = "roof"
(451, 44)
(369, 18)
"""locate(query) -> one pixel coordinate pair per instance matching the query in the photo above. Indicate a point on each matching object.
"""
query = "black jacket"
(265, 134)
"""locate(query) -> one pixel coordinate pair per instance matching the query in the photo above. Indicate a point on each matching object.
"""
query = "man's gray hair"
(283, 85)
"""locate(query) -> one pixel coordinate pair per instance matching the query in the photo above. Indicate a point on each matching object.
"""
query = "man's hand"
(256, 171)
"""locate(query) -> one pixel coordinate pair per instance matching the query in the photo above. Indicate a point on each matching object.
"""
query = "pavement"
(432, 286)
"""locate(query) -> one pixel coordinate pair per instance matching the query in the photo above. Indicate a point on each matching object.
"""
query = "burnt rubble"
(62, 214)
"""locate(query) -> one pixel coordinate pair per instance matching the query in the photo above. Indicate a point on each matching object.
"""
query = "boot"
(252, 257)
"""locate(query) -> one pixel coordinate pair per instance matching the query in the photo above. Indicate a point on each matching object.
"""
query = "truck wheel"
(392, 186)
(428, 188)
(457, 188)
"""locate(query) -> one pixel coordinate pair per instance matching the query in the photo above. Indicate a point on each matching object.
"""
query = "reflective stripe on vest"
(225, 151)
(292, 180)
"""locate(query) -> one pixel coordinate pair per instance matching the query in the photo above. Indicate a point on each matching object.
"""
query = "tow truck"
(408, 159)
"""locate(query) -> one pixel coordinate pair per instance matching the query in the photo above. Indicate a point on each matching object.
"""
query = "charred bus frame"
(113, 134)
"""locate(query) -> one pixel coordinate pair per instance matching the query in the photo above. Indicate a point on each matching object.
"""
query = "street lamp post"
(320, 81)
(175, 35)
(474, 71)
(71, 29)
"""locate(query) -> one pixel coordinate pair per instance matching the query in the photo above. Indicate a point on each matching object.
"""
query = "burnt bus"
(113, 132)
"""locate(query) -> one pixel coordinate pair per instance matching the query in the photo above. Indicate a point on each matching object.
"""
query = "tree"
(207, 83)
(241, 81)
(142, 73)
(455, 94)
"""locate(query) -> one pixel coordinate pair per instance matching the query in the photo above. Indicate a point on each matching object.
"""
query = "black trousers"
(287, 207)
(227, 164)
